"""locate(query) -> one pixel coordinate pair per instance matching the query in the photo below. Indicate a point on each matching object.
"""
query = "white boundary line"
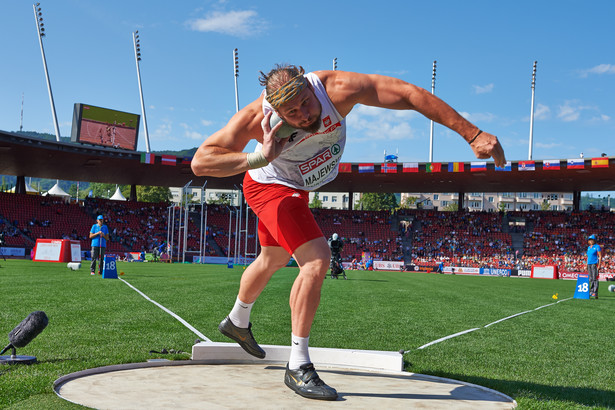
(486, 326)
(182, 321)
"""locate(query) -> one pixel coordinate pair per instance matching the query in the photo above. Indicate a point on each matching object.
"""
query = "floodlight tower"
(137, 44)
(433, 90)
(529, 156)
(335, 64)
(236, 74)
(40, 29)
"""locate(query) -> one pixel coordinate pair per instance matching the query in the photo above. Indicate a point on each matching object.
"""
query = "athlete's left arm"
(346, 89)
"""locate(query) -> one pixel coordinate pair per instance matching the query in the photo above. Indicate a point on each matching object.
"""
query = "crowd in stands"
(425, 237)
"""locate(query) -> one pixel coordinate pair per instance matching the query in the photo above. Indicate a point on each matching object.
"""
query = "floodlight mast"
(236, 74)
(433, 90)
(137, 44)
(38, 17)
(529, 155)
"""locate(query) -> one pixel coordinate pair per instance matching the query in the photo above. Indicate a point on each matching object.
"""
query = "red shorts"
(285, 219)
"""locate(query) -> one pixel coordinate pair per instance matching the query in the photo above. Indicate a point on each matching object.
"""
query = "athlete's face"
(303, 111)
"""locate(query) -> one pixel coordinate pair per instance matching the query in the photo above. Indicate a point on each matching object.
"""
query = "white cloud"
(478, 116)
(483, 89)
(242, 23)
(599, 69)
(374, 123)
(546, 146)
(542, 112)
(206, 123)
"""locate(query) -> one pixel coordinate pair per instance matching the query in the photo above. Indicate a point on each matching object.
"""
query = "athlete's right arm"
(220, 155)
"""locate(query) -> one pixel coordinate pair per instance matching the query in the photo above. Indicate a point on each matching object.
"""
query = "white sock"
(299, 354)
(240, 315)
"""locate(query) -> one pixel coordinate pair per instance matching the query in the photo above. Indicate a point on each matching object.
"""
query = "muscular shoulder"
(344, 88)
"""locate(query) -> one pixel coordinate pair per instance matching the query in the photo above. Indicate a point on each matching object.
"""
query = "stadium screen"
(105, 127)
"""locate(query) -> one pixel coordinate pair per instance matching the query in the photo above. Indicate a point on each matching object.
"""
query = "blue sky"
(484, 51)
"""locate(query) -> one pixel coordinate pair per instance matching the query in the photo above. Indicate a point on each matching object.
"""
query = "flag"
(507, 167)
(433, 167)
(602, 162)
(147, 158)
(389, 168)
(478, 166)
(345, 167)
(411, 167)
(527, 166)
(169, 160)
(186, 160)
(575, 163)
(455, 167)
(550, 164)
(364, 168)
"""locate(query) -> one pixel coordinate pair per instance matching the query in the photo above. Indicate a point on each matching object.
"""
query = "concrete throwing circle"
(196, 386)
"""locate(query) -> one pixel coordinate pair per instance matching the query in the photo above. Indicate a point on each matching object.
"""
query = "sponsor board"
(607, 276)
(544, 272)
(495, 272)
(460, 270)
(5, 251)
(387, 265)
(525, 273)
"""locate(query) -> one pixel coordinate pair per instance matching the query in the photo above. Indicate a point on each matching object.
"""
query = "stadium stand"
(473, 239)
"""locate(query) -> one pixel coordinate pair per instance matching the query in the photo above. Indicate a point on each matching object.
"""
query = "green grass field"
(558, 357)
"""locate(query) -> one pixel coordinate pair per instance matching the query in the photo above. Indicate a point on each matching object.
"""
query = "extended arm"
(346, 89)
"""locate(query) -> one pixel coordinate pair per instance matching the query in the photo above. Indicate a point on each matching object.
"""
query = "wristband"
(476, 136)
(257, 160)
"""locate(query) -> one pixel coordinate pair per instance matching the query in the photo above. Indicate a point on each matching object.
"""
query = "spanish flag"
(602, 162)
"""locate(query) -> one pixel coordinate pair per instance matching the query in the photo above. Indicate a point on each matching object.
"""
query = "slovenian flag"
(455, 167)
(575, 163)
(389, 168)
(148, 158)
(527, 166)
(602, 162)
(345, 167)
(507, 167)
(365, 168)
(411, 167)
(169, 160)
(478, 166)
(550, 164)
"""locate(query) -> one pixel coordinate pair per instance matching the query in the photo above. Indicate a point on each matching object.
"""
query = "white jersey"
(308, 160)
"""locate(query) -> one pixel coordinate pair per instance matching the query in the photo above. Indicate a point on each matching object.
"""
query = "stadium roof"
(33, 157)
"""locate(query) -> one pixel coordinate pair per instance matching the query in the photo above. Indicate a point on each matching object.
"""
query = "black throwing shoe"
(242, 336)
(306, 383)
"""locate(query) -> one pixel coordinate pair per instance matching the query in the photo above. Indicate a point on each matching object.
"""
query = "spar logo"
(318, 160)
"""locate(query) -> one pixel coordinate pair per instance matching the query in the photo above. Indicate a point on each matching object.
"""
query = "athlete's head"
(591, 239)
(292, 96)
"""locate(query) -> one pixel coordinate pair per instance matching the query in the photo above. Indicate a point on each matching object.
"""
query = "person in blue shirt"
(99, 234)
(594, 260)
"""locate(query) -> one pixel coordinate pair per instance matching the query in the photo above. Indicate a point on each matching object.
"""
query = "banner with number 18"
(582, 289)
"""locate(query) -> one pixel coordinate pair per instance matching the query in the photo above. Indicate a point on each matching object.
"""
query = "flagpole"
(433, 89)
(529, 156)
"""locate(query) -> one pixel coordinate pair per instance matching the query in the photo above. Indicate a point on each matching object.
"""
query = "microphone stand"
(14, 358)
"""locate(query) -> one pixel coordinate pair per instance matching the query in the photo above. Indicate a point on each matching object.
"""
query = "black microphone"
(27, 330)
